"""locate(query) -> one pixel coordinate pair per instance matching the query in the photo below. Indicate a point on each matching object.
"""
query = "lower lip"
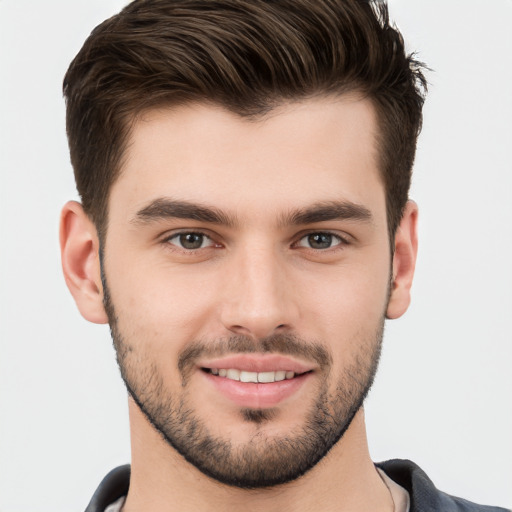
(254, 395)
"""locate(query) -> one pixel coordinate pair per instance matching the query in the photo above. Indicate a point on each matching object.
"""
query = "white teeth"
(266, 377)
(248, 376)
(233, 374)
(244, 376)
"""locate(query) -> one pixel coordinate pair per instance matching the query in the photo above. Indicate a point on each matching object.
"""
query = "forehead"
(300, 153)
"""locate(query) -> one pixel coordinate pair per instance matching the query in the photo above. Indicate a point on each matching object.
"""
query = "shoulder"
(424, 496)
(112, 487)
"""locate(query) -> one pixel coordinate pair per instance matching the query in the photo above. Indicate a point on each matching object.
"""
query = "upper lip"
(258, 363)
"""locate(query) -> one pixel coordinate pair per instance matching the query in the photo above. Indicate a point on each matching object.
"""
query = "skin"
(255, 276)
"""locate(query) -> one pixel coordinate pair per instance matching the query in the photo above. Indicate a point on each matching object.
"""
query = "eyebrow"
(328, 210)
(166, 208)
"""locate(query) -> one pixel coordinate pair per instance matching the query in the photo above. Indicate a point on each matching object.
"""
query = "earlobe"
(404, 262)
(80, 262)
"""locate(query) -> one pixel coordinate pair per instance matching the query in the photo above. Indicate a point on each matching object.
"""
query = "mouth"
(255, 377)
(257, 381)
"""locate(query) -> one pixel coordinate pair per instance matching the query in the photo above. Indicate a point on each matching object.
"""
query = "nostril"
(257, 329)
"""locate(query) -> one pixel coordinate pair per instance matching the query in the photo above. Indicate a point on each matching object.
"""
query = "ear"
(404, 262)
(79, 246)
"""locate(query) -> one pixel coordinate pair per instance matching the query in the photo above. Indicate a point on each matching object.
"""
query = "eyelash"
(341, 241)
(167, 240)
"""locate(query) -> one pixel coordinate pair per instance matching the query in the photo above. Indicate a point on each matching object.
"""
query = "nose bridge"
(258, 296)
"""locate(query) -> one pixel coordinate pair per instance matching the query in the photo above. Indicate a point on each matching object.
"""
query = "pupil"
(320, 240)
(191, 240)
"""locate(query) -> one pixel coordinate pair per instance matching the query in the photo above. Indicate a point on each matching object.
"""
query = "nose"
(259, 298)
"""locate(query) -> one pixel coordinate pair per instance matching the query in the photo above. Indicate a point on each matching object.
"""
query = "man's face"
(240, 251)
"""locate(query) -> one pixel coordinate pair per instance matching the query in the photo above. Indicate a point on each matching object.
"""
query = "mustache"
(284, 344)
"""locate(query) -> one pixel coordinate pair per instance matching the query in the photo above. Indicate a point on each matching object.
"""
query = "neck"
(163, 481)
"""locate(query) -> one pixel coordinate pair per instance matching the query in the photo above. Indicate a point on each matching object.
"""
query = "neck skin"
(162, 481)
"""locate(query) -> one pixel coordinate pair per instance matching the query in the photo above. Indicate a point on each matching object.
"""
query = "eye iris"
(191, 240)
(320, 240)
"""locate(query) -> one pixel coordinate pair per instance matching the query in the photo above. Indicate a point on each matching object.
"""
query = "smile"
(253, 380)
(255, 377)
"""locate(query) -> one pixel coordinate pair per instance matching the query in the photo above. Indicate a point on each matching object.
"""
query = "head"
(244, 169)
(248, 57)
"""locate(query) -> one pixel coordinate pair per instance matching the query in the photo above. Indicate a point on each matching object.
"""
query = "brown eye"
(320, 241)
(190, 241)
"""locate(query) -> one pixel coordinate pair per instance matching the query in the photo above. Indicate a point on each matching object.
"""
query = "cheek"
(349, 297)
(347, 311)
(160, 308)
(165, 307)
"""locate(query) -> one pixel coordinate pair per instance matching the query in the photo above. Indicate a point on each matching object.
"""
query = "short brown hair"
(247, 56)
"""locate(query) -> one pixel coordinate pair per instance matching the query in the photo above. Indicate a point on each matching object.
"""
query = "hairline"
(274, 108)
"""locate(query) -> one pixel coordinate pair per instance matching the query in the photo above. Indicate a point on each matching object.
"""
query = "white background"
(443, 394)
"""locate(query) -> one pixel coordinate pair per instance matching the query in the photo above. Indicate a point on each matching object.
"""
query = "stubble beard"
(264, 460)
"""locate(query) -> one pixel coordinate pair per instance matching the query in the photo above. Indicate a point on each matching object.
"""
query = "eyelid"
(168, 236)
(344, 239)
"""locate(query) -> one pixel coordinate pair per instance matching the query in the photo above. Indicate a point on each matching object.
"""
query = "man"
(245, 229)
